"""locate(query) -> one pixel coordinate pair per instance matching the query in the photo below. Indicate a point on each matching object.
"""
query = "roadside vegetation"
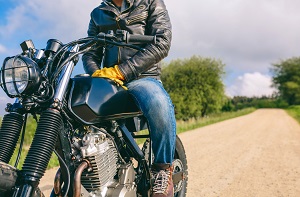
(294, 111)
(286, 79)
(190, 124)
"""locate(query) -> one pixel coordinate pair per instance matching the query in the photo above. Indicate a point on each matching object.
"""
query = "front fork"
(39, 153)
(45, 138)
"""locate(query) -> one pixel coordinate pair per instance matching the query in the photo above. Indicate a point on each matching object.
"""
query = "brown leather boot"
(163, 183)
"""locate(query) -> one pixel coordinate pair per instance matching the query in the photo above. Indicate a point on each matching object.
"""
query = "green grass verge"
(294, 111)
(183, 126)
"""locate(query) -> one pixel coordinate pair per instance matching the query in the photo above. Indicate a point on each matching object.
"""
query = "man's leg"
(157, 107)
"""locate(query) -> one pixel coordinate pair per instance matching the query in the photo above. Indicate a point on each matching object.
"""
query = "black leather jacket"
(144, 17)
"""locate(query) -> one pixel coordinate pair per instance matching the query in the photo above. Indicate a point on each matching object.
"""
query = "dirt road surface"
(256, 155)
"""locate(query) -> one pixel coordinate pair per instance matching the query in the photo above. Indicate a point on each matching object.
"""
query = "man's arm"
(92, 59)
(158, 24)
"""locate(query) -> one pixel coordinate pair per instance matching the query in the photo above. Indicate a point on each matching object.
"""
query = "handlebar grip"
(140, 39)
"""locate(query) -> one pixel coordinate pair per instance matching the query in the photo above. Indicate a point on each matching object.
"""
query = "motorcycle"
(91, 124)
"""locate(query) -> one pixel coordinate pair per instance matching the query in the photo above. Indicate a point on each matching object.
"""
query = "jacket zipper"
(119, 49)
(118, 14)
(117, 21)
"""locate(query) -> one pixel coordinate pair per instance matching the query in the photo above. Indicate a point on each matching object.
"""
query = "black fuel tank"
(94, 100)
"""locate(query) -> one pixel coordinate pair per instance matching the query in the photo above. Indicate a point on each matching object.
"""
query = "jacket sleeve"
(92, 59)
(158, 24)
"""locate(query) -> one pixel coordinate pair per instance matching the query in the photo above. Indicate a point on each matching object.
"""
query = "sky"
(247, 36)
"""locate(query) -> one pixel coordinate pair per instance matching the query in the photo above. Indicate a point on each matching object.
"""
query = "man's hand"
(112, 73)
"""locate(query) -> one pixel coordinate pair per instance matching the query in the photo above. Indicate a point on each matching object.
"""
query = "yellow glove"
(112, 73)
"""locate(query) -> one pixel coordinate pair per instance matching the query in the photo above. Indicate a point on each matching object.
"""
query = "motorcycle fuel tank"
(95, 100)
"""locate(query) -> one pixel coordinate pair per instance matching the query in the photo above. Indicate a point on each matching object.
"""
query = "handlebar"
(120, 38)
(59, 52)
(133, 38)
(140, 39)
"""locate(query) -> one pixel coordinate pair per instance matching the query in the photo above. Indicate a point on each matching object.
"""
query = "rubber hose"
(9, 134)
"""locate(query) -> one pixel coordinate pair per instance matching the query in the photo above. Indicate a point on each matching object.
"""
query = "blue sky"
(247, 36)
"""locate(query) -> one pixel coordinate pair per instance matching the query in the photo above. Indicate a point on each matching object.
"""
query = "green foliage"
(53, 161)
(287, 79)
(195, 86)
(22, 158)
(31, 125)
(228, 106)
(241, 102)
(294, 111)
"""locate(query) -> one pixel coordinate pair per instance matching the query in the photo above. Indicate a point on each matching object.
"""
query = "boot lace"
(161, 182)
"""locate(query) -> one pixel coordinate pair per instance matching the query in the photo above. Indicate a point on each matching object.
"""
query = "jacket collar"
(108, 5)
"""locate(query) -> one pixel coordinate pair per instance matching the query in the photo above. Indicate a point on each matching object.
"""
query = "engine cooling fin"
(104, 165)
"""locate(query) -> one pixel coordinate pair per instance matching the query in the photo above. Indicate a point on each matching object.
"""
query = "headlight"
(19, 75)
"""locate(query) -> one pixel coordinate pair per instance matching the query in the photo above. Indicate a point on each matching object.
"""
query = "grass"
(294, 111)
(14, 157)
(183, 126)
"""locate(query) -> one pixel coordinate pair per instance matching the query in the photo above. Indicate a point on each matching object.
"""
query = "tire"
(8, 177)
(180, 164)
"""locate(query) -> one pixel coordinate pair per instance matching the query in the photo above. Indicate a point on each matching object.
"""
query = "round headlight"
(19, 75)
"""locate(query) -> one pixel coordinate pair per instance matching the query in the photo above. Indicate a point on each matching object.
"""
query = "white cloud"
(12, 22)
(64, 20)
(2, 49)
(251, 84)
(257, 32)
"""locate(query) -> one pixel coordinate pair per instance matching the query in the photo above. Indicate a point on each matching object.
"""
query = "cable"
(21, 142)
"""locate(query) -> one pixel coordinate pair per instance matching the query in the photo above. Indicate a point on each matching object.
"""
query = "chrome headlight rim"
(18, 88)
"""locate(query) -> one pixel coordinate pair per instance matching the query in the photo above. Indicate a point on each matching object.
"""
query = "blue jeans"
(156, 105)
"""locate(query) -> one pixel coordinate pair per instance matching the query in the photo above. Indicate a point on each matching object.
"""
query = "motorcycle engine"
(106, 176)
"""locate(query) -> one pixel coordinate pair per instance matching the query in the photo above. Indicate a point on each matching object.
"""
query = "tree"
(195, 86)
(287, 79)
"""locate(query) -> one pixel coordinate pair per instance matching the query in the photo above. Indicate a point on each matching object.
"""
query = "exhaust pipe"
(77, 178)
(57, 184)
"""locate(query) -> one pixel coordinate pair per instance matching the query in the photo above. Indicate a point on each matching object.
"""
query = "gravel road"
(254, 155)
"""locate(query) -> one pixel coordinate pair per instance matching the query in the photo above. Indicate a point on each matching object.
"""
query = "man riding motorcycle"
(140, 72)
